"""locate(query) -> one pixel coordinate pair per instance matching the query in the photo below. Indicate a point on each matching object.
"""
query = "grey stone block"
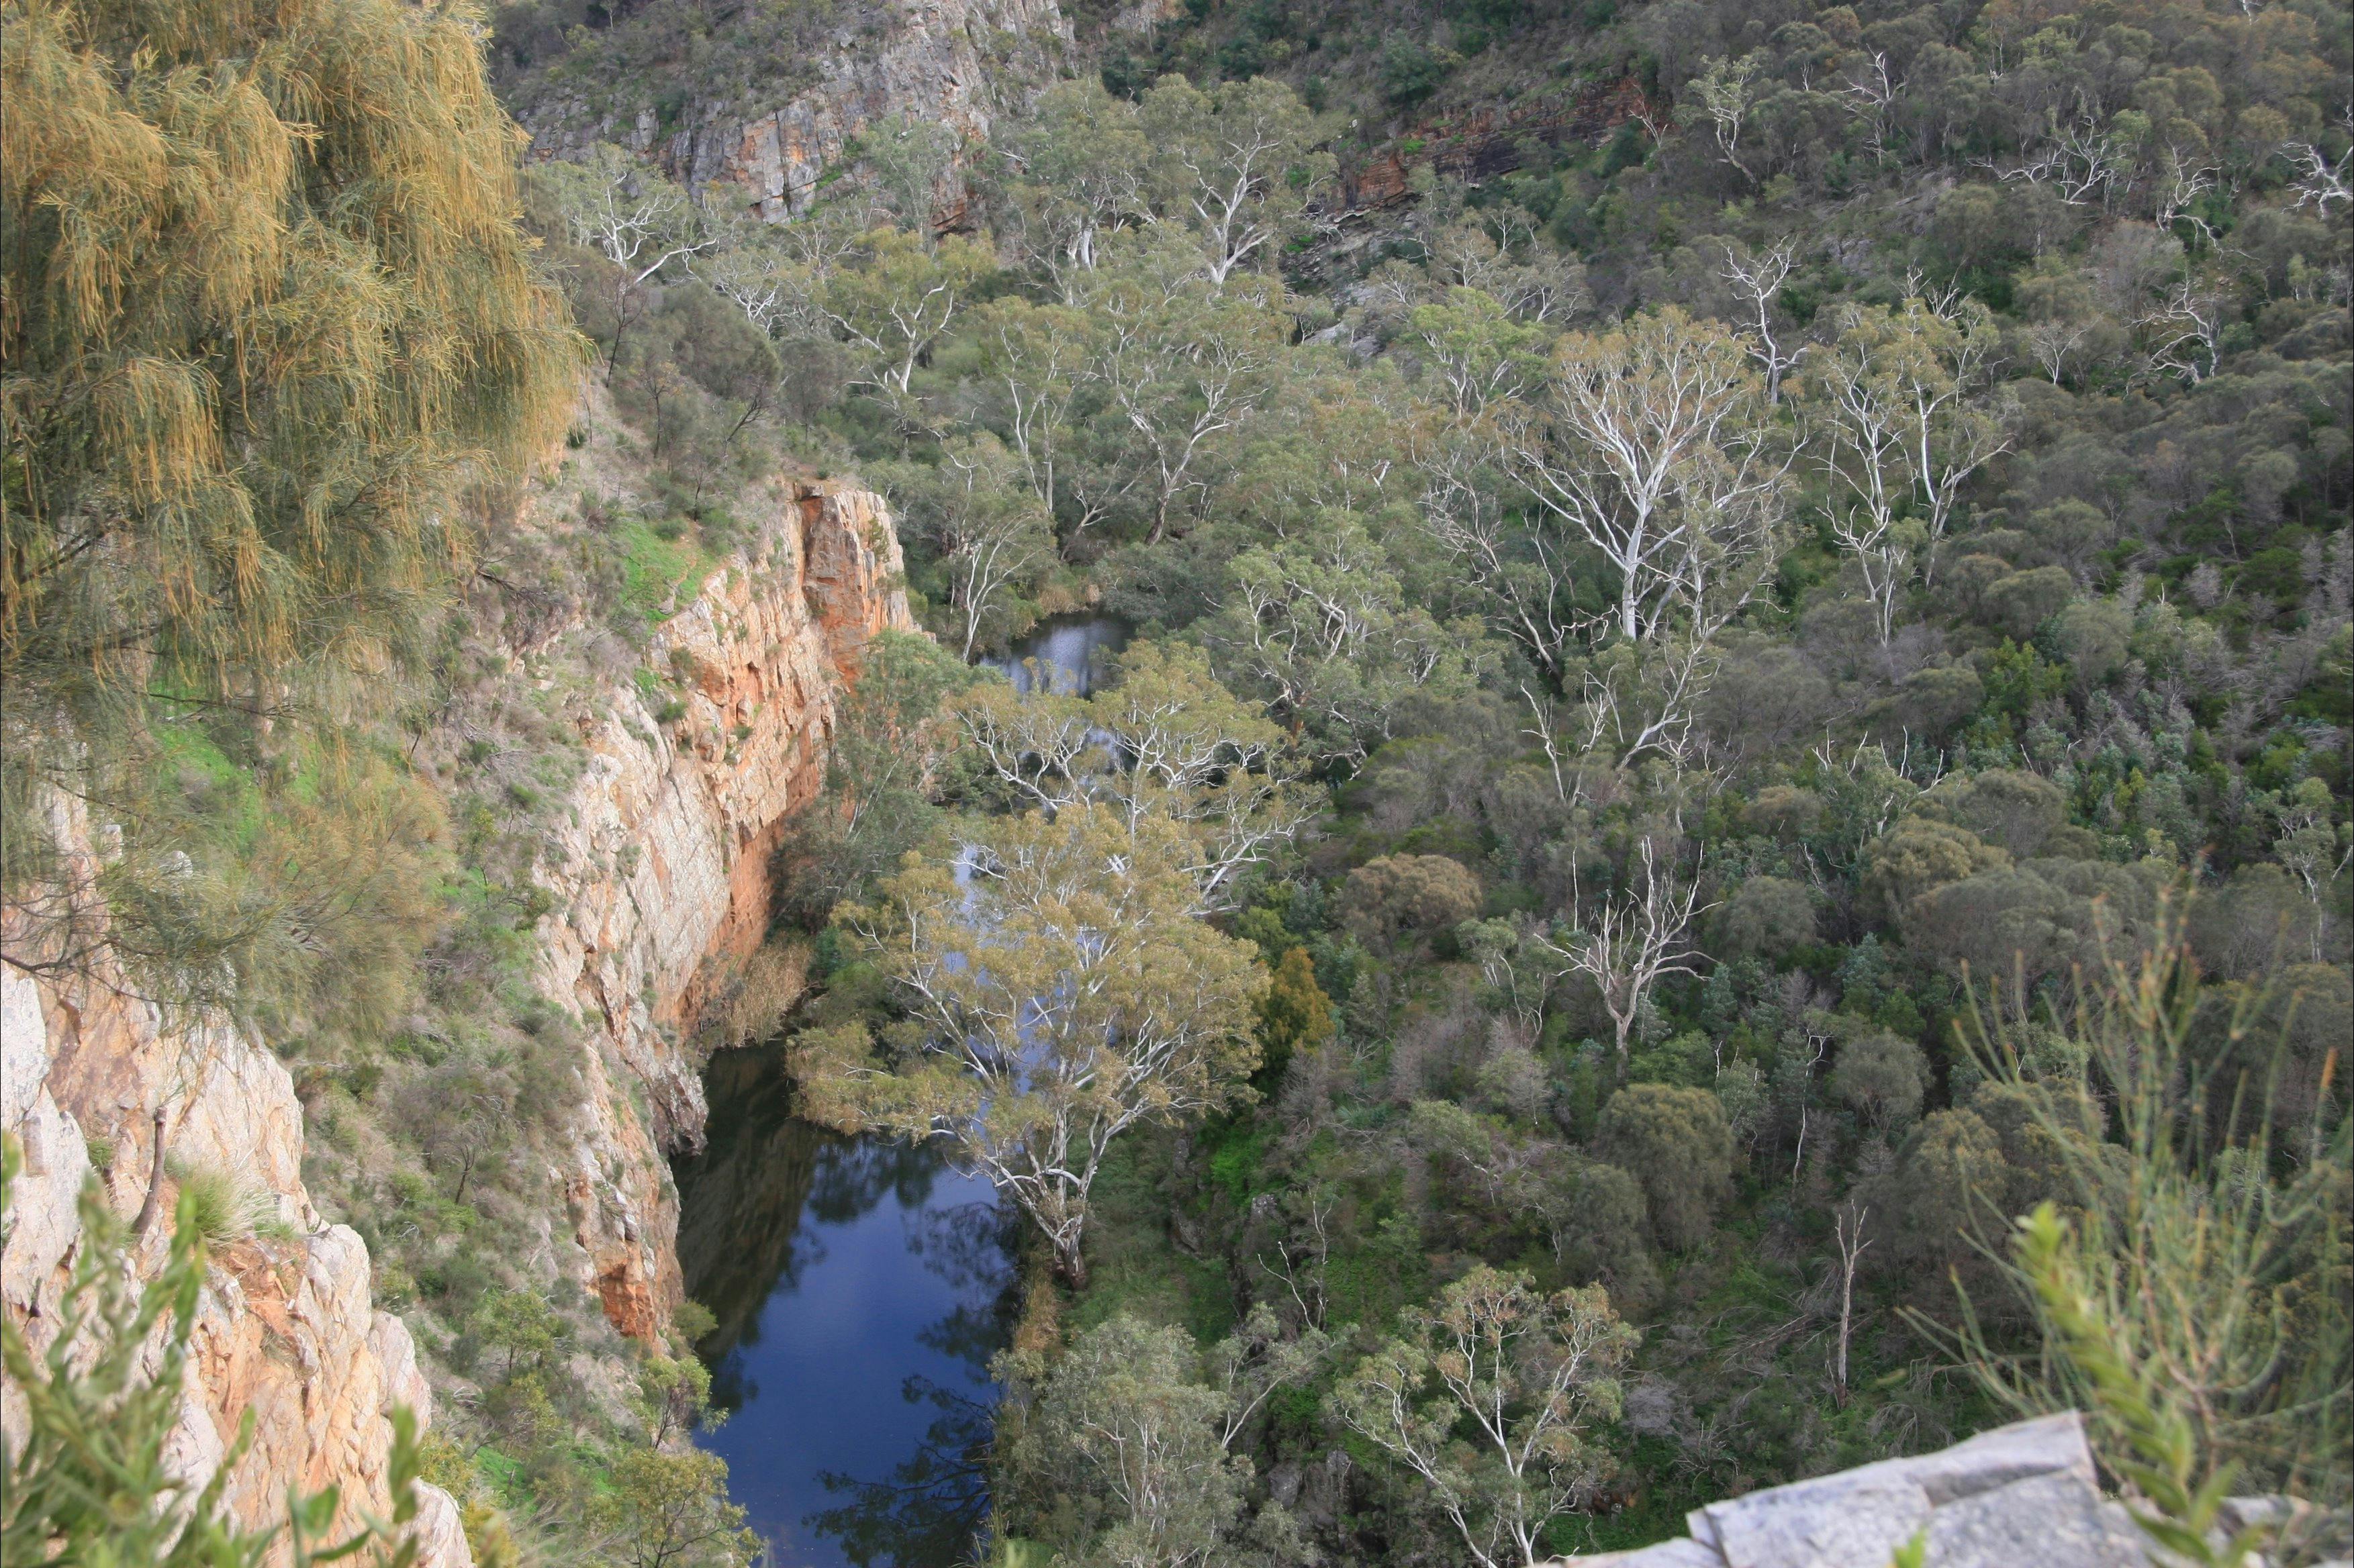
(2045, 1521)
(1665, 1555)
(1855, 1519)
(2048, 1445)
(1673, 1554)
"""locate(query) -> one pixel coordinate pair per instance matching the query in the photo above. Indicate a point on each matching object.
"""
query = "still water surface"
(1063, 653)
(860, 1289)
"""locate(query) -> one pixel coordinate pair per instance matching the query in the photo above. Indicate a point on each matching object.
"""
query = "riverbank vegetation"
(1791, 637)
(1742, 677)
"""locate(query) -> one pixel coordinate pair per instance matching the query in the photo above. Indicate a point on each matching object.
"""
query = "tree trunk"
(153, 1201)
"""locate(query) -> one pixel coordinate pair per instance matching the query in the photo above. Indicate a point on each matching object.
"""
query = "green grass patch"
(1235, 1162)
(658, 571)
(1132, 1269)
(504, 1474)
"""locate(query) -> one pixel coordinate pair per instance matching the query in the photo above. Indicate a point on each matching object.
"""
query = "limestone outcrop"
(2021, 1496)
(942, 61)
(285, 1330)
(658, 867)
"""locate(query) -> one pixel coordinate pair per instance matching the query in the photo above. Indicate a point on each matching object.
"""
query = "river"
(859, 1289)
(1067, 651)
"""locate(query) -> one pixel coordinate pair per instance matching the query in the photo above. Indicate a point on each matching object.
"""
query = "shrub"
(1883, 1077)
(1765, 917)
(222, 1207)
(1396, 896)
(1674, 1142)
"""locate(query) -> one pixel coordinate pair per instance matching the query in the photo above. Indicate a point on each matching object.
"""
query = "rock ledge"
(2022, 1495)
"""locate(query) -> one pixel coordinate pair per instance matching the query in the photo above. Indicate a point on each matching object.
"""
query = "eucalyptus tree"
(1633, 934)
(1320, 625)
(985, 527)
(1653, 445)
(1064, 995)
(1135, 1435)
(894, 297)
(1486, 1397)
(1184, 366)
(910, 162)
(1861, 381)
(1162, 739)
(1237, 165)
(1043, 369)
(1079, 168)
(627, 212)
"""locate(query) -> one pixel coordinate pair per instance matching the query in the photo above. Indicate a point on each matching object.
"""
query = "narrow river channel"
(860, 1289)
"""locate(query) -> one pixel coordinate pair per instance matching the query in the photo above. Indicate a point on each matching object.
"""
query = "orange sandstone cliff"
(657, 876)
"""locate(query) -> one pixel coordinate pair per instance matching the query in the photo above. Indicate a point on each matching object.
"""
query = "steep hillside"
(645, 849)
(767, 105)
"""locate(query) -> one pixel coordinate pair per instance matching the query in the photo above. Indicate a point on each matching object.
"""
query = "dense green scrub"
(1677, 658)
(1719, 914)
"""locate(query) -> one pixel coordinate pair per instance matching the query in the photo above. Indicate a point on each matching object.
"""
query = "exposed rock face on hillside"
(284, 1331)
(658, 874)
(659, 864)
(1477, 145)
(946, 61)
(2022, 1495)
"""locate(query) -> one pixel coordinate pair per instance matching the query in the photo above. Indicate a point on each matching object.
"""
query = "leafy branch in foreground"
(2183, 1505)
(2192, 1296)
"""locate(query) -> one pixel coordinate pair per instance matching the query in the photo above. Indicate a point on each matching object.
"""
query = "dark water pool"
(1063, 653)
(860, 1289)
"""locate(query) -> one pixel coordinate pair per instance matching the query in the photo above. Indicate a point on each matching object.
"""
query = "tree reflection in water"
(931, 1509)
(863, 1266)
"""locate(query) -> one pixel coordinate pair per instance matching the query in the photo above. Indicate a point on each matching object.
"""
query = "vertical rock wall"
(659, 867)
(938, 60)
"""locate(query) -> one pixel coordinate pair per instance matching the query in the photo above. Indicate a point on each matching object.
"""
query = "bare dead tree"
(1302, 1276)
(1872, 89)
(1758, 278)
(2078, 160)
(2181, 183)
(2319, 180)
(1848, 1233)
(2186, 330)
(1635, 939)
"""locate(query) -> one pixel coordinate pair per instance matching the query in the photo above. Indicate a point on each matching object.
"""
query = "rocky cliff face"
(1475, 145)
(657, 876)
(948, 62)
(284, 1330)
(659, 867)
